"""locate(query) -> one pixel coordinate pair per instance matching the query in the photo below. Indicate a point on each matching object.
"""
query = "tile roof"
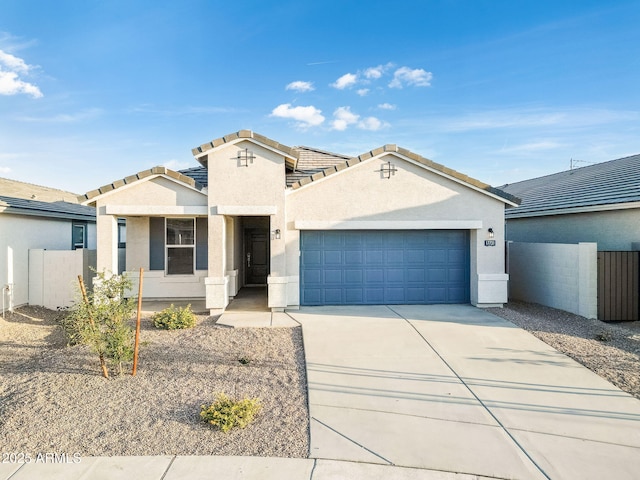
(37, 208)
(22, 198)
(591, 187)
(199, 174)
(291, 155)
(350, 161)
(312, 161)
(90, 196)
(29, 191)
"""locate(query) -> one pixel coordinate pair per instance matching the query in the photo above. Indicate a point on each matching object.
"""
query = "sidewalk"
(223, 468)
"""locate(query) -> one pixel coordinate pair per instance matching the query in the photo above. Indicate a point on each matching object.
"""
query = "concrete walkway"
(456, 389)
(421, 393)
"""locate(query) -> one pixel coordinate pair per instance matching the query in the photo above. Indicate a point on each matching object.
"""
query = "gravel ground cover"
(612, 350)
(54, 399)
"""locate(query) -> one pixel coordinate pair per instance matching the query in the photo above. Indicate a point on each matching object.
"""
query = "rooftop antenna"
(573, 163)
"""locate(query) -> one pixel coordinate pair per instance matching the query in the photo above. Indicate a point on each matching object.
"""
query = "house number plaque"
(489, 243)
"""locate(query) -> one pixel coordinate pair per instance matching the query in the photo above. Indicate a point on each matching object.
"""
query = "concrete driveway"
(456, 389)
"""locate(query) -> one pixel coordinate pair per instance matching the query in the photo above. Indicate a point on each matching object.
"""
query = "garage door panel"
(437, 295)
(354, 295)
(374, 296)
(395, 275)
(415, 256)
(352, 277)
(416, 295)
(353, 257)
(391, 267)
(395, 257)
(333, 276)
(374, 275)
(394, 295)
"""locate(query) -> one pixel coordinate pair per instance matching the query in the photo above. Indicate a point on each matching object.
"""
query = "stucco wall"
(256, 190)
(360, 194)
(53, 276)
(558, 275)
(19, 234)
(156, 196)
(611, 230)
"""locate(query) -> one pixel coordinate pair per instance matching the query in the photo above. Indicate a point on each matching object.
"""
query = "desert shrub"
(101, 322)
(174, 318)
(226, 413)
(603, 336)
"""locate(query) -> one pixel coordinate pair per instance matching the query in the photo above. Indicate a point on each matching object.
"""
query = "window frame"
(167, 246)
(83, 225)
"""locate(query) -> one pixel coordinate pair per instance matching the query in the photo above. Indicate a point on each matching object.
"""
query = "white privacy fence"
(563, 276)
(53, 276)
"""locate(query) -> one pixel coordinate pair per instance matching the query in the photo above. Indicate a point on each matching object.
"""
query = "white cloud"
(305, 116)
(11, 67)
(370, 123)
(363, 92)
(300, 86)
(406, 76)
(4, 170)
(346, 80)
(13, 63)
(343, 117)
(373, 73)
(386, 106)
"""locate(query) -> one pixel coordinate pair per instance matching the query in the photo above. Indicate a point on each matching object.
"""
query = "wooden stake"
(137, 344)
(103, 364)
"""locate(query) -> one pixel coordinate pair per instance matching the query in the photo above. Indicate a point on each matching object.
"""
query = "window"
(180, 244)
(122, 233)
(79, 235)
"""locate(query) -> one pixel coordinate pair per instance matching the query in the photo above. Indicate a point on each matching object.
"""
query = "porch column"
(216, 283)
(277, 280)
(106, 242)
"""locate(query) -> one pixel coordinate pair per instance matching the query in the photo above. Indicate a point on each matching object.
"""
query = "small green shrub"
(226, 413)
(101, 321)
(174, 318)
(603, 336)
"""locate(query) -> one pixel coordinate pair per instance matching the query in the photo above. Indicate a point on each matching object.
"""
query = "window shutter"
(156, 243)
(202, 243)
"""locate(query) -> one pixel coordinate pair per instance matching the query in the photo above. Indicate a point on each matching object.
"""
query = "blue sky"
(94, 90)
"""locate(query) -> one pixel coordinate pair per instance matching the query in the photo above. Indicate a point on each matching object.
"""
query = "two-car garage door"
(377, 267)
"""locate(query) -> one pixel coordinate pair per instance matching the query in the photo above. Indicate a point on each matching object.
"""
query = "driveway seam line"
(168, 467)
(474, 394)
(352, 441)
(412, 415)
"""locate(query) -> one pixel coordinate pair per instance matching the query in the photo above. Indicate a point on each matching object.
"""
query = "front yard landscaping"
(53, 397)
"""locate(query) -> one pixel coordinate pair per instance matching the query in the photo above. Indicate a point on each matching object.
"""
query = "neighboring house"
(598, 203)
(36, 217)
(386, 227)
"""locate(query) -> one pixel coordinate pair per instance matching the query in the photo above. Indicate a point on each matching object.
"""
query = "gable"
(406, 155)
(362, 192)
(174, 187)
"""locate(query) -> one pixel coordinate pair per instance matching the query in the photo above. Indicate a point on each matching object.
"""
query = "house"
(597, 203)
(317, 228)
(37, 217)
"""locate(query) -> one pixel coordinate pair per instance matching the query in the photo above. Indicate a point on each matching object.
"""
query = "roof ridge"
(326, 152)
(393, 148)
(39, 186)
(571, 170)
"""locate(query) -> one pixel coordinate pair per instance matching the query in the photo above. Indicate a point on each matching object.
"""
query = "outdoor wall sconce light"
(275, 234)
(245, 157)
(387, 170)
(490, 232)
